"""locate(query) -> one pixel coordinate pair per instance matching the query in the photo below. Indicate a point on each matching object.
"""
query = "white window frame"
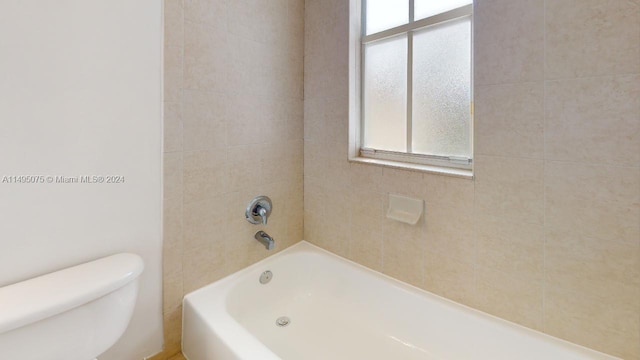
(426, 162)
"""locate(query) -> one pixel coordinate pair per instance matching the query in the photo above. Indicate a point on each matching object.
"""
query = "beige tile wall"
(548, 233)
(233, 130)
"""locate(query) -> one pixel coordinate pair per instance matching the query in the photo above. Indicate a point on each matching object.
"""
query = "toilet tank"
(72, 314)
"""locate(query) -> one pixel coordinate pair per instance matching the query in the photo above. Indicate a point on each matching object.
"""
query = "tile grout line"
(544, 163)
(578, 162)
(474, 290)
(575, 78)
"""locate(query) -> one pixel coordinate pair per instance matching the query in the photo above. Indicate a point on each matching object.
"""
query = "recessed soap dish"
(405, 209)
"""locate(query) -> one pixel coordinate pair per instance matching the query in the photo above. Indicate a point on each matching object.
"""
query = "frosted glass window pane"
(385, 94)
(442, 89)
(386, 14)
(426, 8)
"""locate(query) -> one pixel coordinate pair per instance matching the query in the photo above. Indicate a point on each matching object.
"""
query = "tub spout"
(265, 239)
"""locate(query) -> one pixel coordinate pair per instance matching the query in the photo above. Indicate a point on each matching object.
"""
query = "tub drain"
(283, 321)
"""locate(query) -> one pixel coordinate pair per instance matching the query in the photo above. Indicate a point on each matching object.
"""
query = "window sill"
(460, 173)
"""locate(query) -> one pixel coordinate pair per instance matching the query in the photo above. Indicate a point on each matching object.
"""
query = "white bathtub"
(340, 310)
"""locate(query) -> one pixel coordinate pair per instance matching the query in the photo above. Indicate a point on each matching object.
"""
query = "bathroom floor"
(178, 357)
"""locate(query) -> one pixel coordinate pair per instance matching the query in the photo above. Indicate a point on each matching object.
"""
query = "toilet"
(72, 314)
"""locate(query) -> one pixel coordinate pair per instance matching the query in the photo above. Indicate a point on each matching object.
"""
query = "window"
(416, 82)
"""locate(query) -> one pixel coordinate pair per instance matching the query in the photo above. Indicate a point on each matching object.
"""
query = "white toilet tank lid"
(35, 299)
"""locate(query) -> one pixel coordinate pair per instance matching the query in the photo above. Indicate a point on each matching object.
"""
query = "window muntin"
(432, 106)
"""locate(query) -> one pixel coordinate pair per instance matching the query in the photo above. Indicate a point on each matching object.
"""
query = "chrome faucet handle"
(263, 214)
(258, 210)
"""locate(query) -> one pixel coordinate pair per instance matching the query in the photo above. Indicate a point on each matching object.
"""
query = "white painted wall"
(80, 94)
